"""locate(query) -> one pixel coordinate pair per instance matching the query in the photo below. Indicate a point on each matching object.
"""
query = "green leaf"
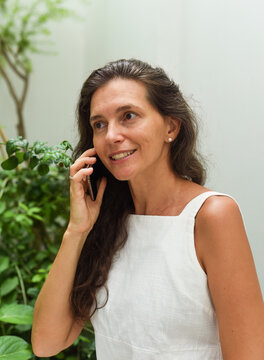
(14, 348)
(4, 263)
(47, 158)
(8, 215)
(25, 144)
(16, 314)
(10, 164)
(8, 285)
(33, 292)
(39, 147)
(65, 145)
(42, 271)
(43, 18)
(23, 218)
(41, 255)
(43, 169)
(27, 155)
(22, 328)
(37, 278)
(11, 147)
(33, 162)
(20, 156)
(37, 217)
(66, 162)
(23, 206)
(26, 61)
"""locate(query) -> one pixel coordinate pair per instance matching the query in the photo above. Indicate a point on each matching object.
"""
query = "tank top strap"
(192, 208)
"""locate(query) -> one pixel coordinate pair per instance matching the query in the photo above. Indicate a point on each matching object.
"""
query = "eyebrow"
(119, 109)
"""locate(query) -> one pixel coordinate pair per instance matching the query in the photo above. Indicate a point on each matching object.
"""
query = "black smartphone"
(91, 188)
(93, 179)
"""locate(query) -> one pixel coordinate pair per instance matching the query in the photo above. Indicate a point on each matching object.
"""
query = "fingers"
(89, 152)
(81, 162)
(81, 174)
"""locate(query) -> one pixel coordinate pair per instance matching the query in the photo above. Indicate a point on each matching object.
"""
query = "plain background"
(213, 49)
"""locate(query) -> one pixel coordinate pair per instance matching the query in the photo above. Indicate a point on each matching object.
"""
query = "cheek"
(151, 137)
(153, 129)
(144, 135)
(97, 142)
(98, 145)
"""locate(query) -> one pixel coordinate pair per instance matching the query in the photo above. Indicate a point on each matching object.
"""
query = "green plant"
(34, 211)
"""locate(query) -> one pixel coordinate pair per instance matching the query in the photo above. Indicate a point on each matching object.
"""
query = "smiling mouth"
(122, 155)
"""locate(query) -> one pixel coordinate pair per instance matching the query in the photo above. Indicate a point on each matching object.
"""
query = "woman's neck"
(157, 193)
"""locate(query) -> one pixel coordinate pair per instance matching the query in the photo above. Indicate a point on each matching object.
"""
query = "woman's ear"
(173, 128)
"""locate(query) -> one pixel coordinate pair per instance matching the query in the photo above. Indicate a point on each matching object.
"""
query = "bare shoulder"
(218, 209)
(217, 214)
(219, 226)
(223, 250)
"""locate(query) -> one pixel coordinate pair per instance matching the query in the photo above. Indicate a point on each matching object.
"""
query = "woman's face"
(129, 135)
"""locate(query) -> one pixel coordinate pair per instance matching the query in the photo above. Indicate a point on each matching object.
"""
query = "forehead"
(119, 92)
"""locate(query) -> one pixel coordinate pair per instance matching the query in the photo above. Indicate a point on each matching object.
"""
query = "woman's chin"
(123, 176)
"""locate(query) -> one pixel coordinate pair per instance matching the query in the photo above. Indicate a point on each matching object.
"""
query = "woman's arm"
(54, 327)
(225, 253)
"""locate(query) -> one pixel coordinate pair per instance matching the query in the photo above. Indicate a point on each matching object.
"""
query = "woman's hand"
(83, 212)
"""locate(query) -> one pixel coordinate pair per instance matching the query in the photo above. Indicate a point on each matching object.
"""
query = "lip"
(121, 151)
(123, 159)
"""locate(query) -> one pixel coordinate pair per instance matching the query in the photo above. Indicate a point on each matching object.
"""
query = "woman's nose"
(114, 133)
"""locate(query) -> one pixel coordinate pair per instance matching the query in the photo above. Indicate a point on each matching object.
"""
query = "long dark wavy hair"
(109, 232)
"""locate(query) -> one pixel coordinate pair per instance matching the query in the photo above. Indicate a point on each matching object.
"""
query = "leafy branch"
(23, 24)
(38, 155)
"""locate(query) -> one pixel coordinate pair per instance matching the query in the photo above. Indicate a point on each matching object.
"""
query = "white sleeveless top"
(159, 304)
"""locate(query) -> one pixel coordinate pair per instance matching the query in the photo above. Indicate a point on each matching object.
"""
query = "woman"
(160, 264)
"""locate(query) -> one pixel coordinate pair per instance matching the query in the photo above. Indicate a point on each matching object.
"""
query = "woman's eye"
(129, 116)
(98, 125)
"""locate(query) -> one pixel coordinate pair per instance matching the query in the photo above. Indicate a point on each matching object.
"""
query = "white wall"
(222, 66)
(213, 49)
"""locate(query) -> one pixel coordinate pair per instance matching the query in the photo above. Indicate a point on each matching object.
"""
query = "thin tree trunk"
(19, 101)
(20, 125)
(3, 136)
